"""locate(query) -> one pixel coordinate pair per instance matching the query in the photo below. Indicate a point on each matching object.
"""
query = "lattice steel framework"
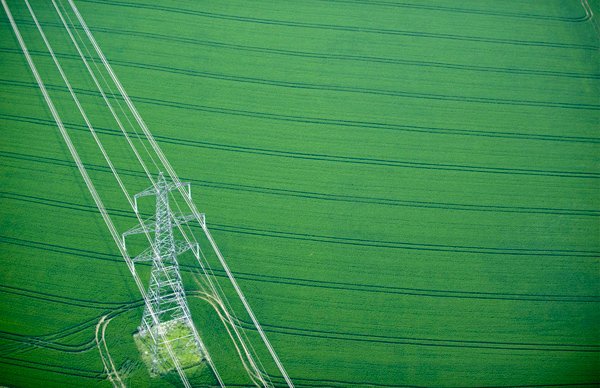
(166, 293)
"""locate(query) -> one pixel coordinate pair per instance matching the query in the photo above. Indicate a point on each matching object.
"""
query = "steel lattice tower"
(165, 293)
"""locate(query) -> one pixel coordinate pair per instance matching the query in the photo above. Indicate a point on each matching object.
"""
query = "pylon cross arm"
(146, 226)
(182, 219)
(180, 247)
(150, 225)
(146, 255)
(173, 186)
(146, 193)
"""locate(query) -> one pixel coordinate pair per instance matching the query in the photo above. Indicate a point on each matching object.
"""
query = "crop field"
(407, 191)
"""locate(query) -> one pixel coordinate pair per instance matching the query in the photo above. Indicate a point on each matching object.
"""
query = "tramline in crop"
(167, 332)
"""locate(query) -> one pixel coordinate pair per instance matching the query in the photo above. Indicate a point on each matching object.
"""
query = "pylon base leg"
(181, 339)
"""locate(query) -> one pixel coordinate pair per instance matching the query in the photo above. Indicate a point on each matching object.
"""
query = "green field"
(407, 191)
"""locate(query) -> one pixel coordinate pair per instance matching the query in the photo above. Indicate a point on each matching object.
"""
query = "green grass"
(187, 353)
(407, 191)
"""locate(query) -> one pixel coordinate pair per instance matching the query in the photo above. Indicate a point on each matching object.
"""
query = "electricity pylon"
(169, 319)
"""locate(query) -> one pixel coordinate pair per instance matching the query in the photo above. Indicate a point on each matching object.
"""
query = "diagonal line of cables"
(81, 167)
(203, 262)
(166, 164)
